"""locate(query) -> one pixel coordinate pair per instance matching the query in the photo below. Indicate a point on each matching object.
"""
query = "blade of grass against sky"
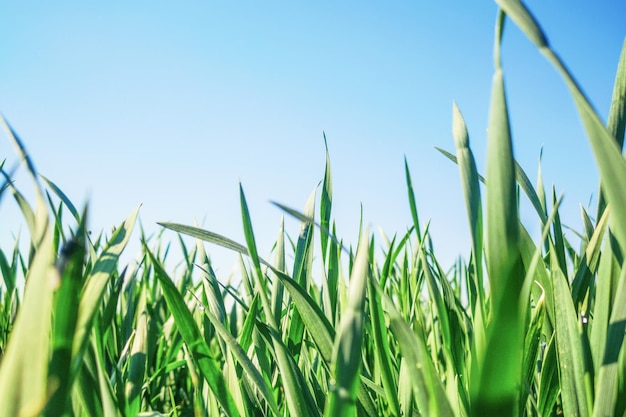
(496, 372)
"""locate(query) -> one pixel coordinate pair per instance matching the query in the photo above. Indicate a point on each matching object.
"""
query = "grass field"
(522, 328)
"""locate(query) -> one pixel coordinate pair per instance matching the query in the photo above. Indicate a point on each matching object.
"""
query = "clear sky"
(171, 104)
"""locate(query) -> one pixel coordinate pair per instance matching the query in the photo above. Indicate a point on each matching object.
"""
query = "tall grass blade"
(607, 384)
(24, 370)
(471, 190)
(209, 367)
(382, 348)
(70, 266)
(574, 393)
(496, 373)
(347, 349)
(297, 401)
(138, 356)
(326, 202)
(412, 203)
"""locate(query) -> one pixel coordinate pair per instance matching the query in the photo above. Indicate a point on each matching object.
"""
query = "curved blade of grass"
(209, 368)
(240, 356)
(346, 362)
(68, 203)
(21, 149)
(611, 164)
(27, 213)
(207, 236)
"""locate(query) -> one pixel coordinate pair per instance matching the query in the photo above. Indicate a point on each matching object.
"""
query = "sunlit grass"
(522, 328)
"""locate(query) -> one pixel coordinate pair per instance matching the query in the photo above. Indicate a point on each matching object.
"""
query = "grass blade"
(346, 363)
(496, 374)
(209, 368)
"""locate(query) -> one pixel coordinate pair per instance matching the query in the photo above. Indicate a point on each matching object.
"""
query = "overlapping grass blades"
(527, 327)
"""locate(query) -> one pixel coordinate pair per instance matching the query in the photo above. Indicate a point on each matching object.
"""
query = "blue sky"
(172, 104)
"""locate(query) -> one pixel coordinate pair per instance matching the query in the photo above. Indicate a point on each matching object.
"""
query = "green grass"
(522, 328)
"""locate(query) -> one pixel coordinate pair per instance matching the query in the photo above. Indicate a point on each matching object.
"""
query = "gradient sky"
(172, 104)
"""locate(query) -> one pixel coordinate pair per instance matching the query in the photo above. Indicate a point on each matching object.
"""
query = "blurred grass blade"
(21, 149)
(95, 284)
(138, 356)
(607, 383)
(70, 266)
(496, 373)
(617, 113)
(68, 203)
(24, 366)
(24, 370)
(611, 164)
